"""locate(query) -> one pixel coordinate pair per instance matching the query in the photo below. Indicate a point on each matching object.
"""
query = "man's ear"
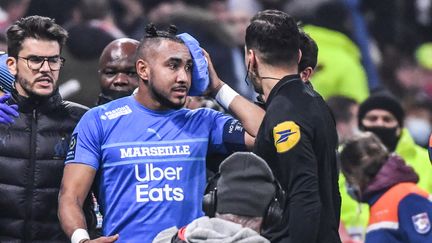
(300, 54)
(306, 74)
(252, 59)
(142, 69)
(11, 62)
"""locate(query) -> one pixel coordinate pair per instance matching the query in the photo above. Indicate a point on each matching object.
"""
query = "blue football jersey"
(151, 165)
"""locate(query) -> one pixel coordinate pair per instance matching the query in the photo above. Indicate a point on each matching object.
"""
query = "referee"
(298, 136)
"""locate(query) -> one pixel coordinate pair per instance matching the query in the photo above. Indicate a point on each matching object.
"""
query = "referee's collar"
(282, 82)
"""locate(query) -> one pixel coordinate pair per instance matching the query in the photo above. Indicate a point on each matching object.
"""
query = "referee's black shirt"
(298, 140)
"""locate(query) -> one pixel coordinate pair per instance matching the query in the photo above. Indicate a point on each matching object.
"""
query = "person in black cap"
(241, 201)
(383, 115)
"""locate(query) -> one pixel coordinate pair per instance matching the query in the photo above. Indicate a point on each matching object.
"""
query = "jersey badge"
(286, 135)
(421, 223)
(120, 111)
(72, 147)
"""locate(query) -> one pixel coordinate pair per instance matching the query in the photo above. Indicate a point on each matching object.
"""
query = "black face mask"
(387, 136)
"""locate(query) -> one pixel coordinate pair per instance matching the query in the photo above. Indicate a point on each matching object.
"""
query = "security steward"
(298, 137)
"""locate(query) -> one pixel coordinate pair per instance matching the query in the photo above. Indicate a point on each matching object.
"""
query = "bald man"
(117, 73)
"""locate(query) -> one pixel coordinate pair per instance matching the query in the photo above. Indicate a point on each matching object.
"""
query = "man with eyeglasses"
(34, 145)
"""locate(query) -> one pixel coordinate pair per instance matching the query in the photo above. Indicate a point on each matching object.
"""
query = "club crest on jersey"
(421, 223)
(286, 135)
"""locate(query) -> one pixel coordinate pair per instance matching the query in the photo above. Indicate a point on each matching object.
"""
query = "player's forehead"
(169, 49)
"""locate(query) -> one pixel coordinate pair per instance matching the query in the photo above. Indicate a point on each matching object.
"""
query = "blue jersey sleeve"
(415, 216)
(227, 135)
(85, 143)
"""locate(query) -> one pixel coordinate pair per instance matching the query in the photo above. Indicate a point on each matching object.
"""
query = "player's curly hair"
(154, 36)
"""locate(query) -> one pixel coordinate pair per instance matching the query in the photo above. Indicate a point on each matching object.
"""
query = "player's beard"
(27, 87)
(163, 100)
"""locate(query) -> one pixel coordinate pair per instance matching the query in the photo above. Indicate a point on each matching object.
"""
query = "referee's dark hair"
(275, 36)
(309, 50)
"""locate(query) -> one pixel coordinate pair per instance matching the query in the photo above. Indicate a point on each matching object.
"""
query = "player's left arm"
(249, 114)
(75, 186)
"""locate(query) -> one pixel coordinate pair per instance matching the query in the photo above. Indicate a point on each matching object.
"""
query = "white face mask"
(420, 129)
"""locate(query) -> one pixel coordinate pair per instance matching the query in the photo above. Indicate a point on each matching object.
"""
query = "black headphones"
(273, 214)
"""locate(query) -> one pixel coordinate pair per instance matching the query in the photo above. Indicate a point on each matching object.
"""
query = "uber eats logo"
(163, 192)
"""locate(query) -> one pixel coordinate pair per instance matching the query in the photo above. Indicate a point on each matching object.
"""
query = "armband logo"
(286, 135)
(421, 223)
(72, 143)
(72, 146)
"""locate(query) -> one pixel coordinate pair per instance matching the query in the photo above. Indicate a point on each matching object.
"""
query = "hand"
(104, 239)
(215, 82)
(7, 112)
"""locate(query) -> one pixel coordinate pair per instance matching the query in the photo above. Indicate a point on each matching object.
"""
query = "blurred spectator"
(11, 11)
(398, 28)
(61, 11)
(413, 75)
(339, 70)
(242, 200)
(88, 26)
(383, 115)
(219, 41)
(360, 35)
(354, 216)
(130, 16)
(344, 110)
(117, 73)
(303, 10)
(271, 4)
(399, 210)
(418, 120)
(237, 18)
(102, 19)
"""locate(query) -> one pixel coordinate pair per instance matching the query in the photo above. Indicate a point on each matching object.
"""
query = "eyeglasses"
(35, 63)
